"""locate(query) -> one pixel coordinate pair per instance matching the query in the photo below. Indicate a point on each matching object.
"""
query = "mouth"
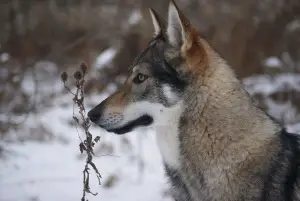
(144, 120)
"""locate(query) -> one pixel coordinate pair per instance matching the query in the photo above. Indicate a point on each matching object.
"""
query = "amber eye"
(139, 78)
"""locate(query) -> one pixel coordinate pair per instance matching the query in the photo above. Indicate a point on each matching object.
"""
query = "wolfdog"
(215, 142)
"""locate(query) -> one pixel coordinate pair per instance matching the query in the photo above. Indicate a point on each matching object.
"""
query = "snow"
(267, 85)
(294, 128)
(135, 17)
(4, 57)
(293, 25)
(40, 83)
(273, 62)
(53, 170)
(105, 58)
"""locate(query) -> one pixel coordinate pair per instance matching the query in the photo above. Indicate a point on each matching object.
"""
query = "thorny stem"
(88, 144)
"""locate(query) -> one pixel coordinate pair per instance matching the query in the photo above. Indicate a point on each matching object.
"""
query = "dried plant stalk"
(82, 121)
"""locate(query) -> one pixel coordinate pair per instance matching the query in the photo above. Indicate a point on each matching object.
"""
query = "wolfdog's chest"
(185, 187)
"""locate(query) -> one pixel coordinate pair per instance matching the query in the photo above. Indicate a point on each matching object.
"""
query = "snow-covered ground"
(47, 171)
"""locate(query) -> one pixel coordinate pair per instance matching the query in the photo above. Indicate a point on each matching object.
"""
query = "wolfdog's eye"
(139, 78)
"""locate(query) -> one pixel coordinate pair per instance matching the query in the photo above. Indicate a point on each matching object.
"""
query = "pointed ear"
(178, 25)
(157, 22)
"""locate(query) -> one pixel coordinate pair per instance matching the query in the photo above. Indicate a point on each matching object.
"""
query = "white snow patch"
(273, 62)
(267, 85)
(293, 25)
(293, 128)
(285, 112)
(4, 57)
(105, 58)
(28, 84)
(41, 79)
(135, 17)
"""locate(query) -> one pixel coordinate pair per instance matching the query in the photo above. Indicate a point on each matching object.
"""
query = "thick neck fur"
(221, 133)
(222, 111)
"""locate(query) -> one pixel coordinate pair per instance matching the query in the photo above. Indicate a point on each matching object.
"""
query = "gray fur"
(217, 145)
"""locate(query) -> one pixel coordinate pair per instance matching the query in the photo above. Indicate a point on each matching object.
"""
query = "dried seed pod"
(97, 138)
(77, 75)
(64, 76)
(76, 119)
(82, 147)
(83, 67)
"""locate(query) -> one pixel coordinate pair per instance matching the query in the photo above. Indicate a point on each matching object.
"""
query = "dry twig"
(88, 144)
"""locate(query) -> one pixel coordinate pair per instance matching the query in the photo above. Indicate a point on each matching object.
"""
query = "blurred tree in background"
(68, 32)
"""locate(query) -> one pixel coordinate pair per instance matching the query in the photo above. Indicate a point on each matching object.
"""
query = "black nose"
(95, 113)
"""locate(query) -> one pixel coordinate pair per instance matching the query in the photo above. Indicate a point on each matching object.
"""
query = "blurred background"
(39, 39)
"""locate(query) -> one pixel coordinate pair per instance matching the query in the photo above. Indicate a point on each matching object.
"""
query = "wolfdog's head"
(157, 78)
